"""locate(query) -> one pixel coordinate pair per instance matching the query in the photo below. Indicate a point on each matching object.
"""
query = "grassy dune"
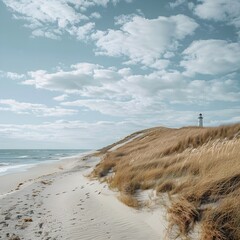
(197, 168)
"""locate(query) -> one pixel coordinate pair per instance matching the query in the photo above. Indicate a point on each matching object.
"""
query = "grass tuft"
(223, 221)
(167, 186)
(183, 214)
(129, 200)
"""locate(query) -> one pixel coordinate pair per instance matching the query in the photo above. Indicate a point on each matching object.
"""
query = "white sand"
(65, 204)
(10, 182)
(122, 144)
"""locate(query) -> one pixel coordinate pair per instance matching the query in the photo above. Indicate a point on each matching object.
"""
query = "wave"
(12, 161)
(9, 168)
(14, 157)
(4, 164)
(23, 156)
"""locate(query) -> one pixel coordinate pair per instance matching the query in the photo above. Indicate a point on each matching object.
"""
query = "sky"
(83, 74)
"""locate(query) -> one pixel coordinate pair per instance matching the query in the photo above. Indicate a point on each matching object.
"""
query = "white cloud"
(211, 57)
(78, 134)
(144, 40)
(61, 98)
(67, 134)
(36, 109)
(176, 3)
(220, 10)
(11, 75)
(169, 55)
(129, 108)
(203, 92)
(52, 34)
(96, 15)
(79, 77)
(82, 32)
(160, 64)
(120, 92)
(52, 18)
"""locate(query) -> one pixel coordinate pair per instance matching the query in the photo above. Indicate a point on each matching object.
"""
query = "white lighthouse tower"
(200, 120)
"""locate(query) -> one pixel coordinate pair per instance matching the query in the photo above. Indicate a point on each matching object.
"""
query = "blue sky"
(82, 74)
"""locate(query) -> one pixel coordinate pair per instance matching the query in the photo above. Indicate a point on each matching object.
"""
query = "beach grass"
(199, 169)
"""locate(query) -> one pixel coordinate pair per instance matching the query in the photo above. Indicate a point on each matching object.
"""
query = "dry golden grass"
(129, 200)
(198, 167)
(222, 221)
(166, 186)
(183, 214)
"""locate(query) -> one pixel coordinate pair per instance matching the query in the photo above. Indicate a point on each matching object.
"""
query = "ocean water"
(16, 160)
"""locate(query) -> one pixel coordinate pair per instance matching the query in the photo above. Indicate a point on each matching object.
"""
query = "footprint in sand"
(4, 224)
(19, 216)
(8, 217)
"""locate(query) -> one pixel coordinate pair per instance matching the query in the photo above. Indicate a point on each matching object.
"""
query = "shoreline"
(62, 203)
(21, 162)
(10, 181)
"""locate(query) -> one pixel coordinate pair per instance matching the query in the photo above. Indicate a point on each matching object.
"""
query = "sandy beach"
(58, 201)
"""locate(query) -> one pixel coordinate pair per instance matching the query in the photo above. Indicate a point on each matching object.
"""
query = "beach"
(59, 201)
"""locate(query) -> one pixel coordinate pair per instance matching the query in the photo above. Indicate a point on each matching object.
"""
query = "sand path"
(67, 205)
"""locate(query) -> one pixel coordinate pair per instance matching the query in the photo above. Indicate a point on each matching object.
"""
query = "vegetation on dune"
(199, 168)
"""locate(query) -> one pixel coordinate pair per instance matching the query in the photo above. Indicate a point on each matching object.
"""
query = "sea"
(18, 160)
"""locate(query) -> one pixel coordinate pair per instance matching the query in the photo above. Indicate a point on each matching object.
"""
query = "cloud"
(203, 92)
(67, 134)
(176, 3)
(11, 75)
(39, 110)
(82, 32)
(220, 10)
(53, 18)
(96, 15)
(77, 79)
(79, 134)
(144, 40)
(52, 34)
(128, 108)
(120, 92)
(211, 57)
(61, 97)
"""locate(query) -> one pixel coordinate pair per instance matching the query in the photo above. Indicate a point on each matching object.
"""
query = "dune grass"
(199, 168)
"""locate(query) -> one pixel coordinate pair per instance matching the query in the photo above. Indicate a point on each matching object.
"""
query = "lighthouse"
(200, 120)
